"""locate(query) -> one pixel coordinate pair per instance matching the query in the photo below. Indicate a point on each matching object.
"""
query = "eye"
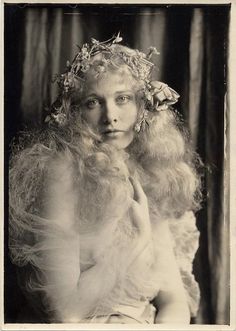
(92, 103)
(123, 99)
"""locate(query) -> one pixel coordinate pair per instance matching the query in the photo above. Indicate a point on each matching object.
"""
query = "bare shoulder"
(60, 196)
(60, 160)
(60, 166)
(60, 180)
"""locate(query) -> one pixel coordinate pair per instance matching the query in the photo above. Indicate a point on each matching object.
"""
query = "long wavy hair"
(160, 155)
(161, 152)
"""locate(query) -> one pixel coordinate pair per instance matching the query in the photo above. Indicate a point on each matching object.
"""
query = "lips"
(112, 133)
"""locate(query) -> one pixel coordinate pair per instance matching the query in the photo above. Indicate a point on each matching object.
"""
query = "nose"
(110, 113)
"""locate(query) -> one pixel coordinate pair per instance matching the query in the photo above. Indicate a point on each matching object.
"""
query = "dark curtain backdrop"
(192, 41)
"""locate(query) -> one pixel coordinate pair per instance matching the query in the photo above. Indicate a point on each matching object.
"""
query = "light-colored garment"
(131, 297)
(106, 236)
(141, 313)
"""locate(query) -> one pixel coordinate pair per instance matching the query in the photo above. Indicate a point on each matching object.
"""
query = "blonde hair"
(169, 165)
(161, 152)
(164, 161)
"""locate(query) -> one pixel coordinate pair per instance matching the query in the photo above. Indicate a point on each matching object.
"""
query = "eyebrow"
(90, 96)
(98, 96)
(124, 91)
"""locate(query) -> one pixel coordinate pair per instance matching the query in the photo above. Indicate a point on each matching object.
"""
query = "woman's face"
(109, 106)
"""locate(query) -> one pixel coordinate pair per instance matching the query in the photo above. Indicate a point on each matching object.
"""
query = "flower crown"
(157, 95)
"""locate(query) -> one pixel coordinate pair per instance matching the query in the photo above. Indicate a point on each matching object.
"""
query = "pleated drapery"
(192, 41)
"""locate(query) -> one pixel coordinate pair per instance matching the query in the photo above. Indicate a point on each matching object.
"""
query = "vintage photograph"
(116, 164)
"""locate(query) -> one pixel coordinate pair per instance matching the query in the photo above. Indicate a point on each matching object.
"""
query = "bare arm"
(74, 294)
(171, 301)
(71, 293)
(62, 257)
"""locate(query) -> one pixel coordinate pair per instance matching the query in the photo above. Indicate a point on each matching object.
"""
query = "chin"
(118, 144)
(121, 143)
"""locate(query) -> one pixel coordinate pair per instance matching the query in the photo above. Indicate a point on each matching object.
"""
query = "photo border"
(229, 176)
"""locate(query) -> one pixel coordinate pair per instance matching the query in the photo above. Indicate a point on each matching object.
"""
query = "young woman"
(101, 200)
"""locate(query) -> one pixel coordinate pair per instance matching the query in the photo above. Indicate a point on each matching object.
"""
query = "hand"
(139, 211)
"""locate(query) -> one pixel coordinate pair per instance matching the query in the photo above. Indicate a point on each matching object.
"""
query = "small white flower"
(118, 38)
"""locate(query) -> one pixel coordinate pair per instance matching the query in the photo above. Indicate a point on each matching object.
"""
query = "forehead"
(109, 83)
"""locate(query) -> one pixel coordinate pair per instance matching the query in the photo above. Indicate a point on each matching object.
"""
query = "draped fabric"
(192, 41)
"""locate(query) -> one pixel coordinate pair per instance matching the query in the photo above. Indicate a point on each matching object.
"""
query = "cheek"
(92, 117)
(131, 115)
